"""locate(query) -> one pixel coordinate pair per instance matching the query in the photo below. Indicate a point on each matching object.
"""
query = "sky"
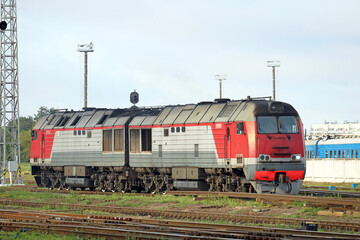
(170, 52)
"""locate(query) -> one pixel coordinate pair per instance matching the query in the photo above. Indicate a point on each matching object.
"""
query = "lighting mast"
(220, 78)
(9, 96)
(273, 65)
(85, 48)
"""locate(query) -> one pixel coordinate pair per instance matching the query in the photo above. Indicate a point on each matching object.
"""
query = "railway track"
(349, 203)
(115, 227)
(172, 214)
(352, 204)
(329, 193)
(312, 191)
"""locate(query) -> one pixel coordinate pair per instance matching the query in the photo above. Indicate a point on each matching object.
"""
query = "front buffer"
(265, 180)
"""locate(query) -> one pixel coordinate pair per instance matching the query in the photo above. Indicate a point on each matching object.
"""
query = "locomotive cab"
(279, 164)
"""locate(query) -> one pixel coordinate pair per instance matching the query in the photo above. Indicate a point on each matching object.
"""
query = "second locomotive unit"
(250, 145)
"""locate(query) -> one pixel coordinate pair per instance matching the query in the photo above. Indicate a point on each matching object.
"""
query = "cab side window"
(240, 128)
(34, 135)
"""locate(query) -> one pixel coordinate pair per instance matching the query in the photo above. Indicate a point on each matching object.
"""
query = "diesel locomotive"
(250, 145)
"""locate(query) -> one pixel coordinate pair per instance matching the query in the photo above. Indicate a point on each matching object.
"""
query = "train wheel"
(159, 183)
(148, 182)
(45, 181)
(169, 183)
(125, 186)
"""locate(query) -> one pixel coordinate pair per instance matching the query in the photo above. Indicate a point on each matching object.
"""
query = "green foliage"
(32, 235)
(42, 111)
(25, 139)
(26, 123)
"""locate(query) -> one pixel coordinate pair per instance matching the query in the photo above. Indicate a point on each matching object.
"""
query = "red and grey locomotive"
(250, 145)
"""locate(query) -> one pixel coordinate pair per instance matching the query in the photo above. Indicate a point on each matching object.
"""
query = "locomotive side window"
(357, 153)
(182, 129)
(177, 129)
(107, 140)
(134, 140)
(146, 140)
(34, 135)
(330, 153)
(172, 129)
(240, 128)
(119, 140)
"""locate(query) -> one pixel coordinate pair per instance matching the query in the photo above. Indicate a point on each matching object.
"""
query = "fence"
(333, 170)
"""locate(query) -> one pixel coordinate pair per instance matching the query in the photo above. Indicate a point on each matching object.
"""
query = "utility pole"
(273, 65)
(220, 78)
(9, 96)
(85, 48)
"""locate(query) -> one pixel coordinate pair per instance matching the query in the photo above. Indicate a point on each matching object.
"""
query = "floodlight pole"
(273, 65)
(85, 79)
(220, 78)
(85, 48)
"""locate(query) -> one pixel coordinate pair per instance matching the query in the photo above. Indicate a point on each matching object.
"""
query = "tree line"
(26, 125)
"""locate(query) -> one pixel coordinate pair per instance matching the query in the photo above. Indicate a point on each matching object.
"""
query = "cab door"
(36, 145)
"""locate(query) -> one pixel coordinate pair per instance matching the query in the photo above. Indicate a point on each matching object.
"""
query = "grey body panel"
(41, 122)
(84, 119)
(137, 121)
(212, 113)
(70, 149)
(149, 121)
(52, 120)
(161, 117)
(227, 112)
(67, 116)
(170, 118)
(184, 115)
(95, 118)
(70, 123)
(121, 121)
(198, 113)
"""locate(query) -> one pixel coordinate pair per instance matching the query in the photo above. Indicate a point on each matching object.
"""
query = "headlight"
(296, 157)
(264, 157)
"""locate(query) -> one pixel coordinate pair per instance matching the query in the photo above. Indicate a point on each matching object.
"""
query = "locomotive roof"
(204, 112)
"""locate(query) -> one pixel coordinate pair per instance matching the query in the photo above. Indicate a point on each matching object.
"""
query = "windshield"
(273, 124)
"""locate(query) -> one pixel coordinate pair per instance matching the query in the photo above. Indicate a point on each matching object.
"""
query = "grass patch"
(35, 235)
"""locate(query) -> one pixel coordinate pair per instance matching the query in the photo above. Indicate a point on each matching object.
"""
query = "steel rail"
(346, 226)
(272, 197)
(355, 203)
(202, 229)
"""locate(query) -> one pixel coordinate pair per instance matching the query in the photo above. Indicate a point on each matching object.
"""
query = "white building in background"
(335, 128)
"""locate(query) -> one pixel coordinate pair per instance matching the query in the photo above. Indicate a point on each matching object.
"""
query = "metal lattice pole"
(9, 90)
